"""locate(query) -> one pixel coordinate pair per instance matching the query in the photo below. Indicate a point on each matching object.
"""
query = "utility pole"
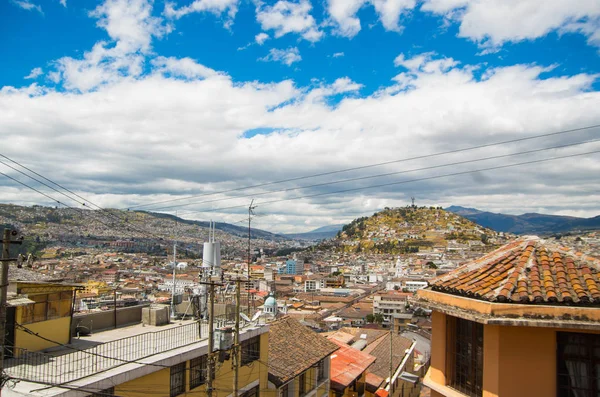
(211, 342)
(235, 351)
(250, 213)
(391, 359)
(6, 242)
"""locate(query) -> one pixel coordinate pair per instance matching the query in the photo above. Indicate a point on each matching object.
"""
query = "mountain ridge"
(527, 223)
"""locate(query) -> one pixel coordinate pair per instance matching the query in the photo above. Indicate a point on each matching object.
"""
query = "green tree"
(378, 318)
(370, 318)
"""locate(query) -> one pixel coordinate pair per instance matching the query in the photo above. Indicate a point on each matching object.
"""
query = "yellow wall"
(158, 383)
(350, 391)
(517, 361)
(57, 330)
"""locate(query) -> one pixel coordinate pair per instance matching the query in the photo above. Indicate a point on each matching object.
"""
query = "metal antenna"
(251, 208)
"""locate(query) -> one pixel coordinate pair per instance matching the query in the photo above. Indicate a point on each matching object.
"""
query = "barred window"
(321, 370)
(198, 371)
(578, 364)
(465, 356)
(250, 350)
(178, 379)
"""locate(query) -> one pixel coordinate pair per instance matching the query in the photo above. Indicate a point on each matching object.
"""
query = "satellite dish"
(244, 317)
(256, 315)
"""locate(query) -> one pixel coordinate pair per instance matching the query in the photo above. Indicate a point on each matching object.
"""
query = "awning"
(407, 376)
(21, 301)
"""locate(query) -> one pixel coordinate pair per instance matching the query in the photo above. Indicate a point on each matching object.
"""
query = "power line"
(375, 165)
(64, 194)
(404, 182)
(385, 174)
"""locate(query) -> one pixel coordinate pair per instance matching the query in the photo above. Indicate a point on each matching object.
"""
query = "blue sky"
(242, 87)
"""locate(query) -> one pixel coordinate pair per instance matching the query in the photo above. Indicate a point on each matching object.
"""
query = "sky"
(320, 111)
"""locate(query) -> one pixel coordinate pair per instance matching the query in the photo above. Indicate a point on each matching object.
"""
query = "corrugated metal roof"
(347, 364)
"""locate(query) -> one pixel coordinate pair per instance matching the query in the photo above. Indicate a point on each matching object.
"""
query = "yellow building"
(139, 360)
(299, 360)
(44, 307)
(521, 321)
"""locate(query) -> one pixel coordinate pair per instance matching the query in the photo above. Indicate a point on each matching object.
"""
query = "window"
(250, 350)
(578, 364)
(104, 393)
(198, 371)
(302, 384)
(251, 393)
(178, 379)
(321, 370)
(465, 356)
(285, 390)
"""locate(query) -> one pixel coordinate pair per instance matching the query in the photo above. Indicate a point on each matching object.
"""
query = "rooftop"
(96, 361)
(293, 348)
(527, 271)
(347, 364)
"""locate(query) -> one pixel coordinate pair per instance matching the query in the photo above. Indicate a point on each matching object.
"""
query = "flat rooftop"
(110, 357)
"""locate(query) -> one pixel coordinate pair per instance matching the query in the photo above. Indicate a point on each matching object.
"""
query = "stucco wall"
(56, 330)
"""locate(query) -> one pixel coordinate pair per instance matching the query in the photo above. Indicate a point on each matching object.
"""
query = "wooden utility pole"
(211, 342)
(391, 358)
(6, 242)
(235, 351)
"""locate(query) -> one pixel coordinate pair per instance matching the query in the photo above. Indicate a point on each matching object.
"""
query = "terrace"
(105, 355)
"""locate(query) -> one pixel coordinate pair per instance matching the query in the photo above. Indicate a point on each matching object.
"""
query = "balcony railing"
(74, 363)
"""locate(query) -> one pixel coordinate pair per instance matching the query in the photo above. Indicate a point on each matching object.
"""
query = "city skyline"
(135, 102)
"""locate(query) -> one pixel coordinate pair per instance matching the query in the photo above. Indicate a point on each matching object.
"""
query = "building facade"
(521, 321)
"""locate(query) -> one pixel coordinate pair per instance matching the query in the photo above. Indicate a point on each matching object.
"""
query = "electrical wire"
(83, 203)
(376, 164)
(389, 173)
(403, 182)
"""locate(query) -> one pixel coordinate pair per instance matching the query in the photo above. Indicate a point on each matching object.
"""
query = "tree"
(431, 265)
(378, 318)
(370, 318)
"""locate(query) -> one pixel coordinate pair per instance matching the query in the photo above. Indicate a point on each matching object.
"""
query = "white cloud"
(261, 38)
(182, 117)
(343, 13)
(338, 55)
(287, 57)
(129, 23)
(28, 5)
(182, 67)
(492, 23)
(289, 17)
(35, 73)
(215, 7)
(63, 3)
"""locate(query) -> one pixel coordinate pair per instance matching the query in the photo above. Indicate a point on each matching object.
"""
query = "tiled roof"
(293, 348)
(530, 271)
(380, 349)
(347, 364)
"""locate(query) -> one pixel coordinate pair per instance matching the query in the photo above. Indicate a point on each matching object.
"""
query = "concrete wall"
(106, 319)
(56, 330)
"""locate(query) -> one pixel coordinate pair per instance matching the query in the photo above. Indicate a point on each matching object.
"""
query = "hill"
(409, 230)
(531, 223)
(137, 231)
(321, 233)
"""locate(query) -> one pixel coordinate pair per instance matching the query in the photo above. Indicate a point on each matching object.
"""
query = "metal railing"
(73, 363)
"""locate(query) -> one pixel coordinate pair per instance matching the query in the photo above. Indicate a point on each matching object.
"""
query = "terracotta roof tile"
(293, 348)
(529, 270)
